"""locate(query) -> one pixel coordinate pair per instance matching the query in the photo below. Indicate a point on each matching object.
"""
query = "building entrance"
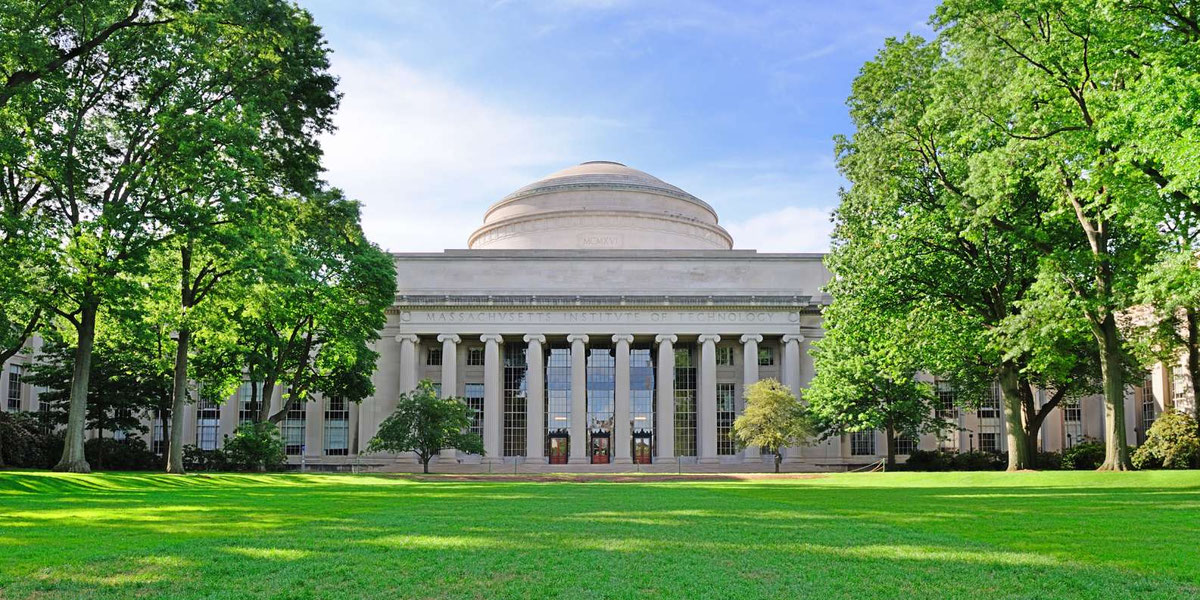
(600, 448)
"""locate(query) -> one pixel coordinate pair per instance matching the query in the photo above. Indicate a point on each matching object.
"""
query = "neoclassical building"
(600, 319)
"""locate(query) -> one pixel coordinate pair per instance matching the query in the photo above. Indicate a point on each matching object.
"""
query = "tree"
(865, 381)
(931, 253)
(1054, 80)
(426, 423)
(152, 117)
(773, 419)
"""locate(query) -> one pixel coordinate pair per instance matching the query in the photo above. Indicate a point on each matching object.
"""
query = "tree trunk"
(1193, 358)
(178, 402)
(778, 459)
(264, 404)
(1116, 451)
(1019, 456)
(890, 442)
(425, 463)
(73, 460)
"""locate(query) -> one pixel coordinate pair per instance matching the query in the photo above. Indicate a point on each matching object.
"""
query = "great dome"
(600, 205)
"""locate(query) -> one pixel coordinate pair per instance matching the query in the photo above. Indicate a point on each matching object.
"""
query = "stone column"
(750, 344)
(706, 407)
(314, 426)
(492, 409)
(621, 435)
(791, 362)
(535, 389)
(408, 364)
(791, 378)
(578, 398)
(664, 380)
(450, 344)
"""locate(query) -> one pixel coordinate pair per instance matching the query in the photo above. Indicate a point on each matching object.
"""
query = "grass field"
(937, 535)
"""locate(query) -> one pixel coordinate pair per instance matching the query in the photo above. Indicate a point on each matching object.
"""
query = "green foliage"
(198, 459)
(1171, 443)
(254, 447)
(773, 419)
(426, 424)
(1084, 455)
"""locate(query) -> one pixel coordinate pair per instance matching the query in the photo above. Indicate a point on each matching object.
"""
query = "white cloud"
(790, 229)
(426, 157)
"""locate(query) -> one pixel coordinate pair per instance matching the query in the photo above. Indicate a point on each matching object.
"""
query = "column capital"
(449, 337)
(793, 337)
(577, 337)
(491, 337)
(709, 337)
(752, 337)
(535, 337)
(666, 337)
(623, 337)
(407, 337)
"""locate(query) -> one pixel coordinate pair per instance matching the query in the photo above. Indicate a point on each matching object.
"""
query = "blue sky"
(450, 105)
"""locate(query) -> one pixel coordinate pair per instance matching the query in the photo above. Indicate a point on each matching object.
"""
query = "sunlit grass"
(939, 535)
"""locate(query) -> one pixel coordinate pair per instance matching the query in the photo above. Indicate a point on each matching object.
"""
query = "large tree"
(152, 117)
(1054, 80)
(773, 420)
(938, 261)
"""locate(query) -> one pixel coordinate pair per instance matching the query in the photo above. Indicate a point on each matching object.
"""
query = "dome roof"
(600, 204)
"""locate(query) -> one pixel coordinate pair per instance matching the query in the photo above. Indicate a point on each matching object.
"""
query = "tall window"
(862, 443)
(724, 356)
(515, 400)
(475, 356)
(641, 394)
(1072, 421)
(990, 409)
(245, 411)
(601, 397)
(158, 430)
(474, 395)
(208, 422)
(558, 392)
(337, 427)
(989, 441)
(434, 357)
(725, 416)
(1180, 388)
(766, 356)
(685, 400)
(905, 444)
(293, 428)
(947, 400)
(14, 387)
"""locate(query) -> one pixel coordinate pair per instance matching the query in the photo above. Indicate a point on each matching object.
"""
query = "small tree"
(773, 419)
(1171, 443)
(425, 424)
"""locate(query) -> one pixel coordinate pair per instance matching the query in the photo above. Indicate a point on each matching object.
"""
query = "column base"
(622, 461)
(708, 460)
(492, 460)
(662, 459)
(579, 460)
(537, 460)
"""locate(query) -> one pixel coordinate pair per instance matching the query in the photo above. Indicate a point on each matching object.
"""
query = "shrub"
(197, 459)
(1171, 443)
(129, 454)
(25, 443)
(929, 460)
(979, 461)
(1087, 454)
(1048, 461)
(254, 447)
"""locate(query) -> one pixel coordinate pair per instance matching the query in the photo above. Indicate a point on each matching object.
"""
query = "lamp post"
(971, 441)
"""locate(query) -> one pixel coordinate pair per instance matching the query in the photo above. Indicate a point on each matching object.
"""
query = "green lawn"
(897, 535)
